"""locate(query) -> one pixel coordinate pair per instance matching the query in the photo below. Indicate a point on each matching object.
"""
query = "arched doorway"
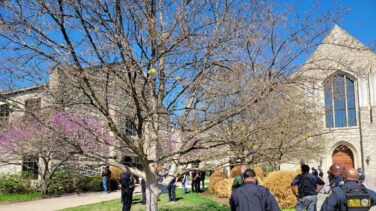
(344, 156)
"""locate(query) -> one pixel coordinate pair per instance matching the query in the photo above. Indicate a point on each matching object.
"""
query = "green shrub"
(95, 184)
(67, 182)
(14, 184)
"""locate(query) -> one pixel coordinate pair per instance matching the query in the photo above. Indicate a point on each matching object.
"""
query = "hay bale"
(223, 188)
(214, 179)
(260, 173)
(278, 182)
(235, 171)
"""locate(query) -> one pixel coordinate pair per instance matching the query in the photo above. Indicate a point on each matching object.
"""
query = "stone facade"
(47, 94)
(342, 54)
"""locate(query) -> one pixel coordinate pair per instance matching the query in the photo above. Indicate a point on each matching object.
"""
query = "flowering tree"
(48, 141)
(154, 65)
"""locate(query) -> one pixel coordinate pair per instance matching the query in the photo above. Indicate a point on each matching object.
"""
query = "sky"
(359, 19)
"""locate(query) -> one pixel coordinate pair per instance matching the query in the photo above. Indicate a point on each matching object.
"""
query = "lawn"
(19, 197)
(190, 201)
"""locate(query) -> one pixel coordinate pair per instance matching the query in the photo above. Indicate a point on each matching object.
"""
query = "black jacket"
(252, 197)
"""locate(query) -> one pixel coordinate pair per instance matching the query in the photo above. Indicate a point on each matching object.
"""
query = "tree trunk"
(153, 190)
(44, 187)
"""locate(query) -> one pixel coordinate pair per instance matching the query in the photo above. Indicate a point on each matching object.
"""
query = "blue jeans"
(105, 184)
(307, 202)
(185, 190)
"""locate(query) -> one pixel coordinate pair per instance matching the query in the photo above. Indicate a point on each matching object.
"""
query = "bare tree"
(281, 127)
(155, 64)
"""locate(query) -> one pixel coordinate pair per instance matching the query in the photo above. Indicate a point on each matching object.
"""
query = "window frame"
(30, 164)
(333, 110)
(129, 128)
(5, 112)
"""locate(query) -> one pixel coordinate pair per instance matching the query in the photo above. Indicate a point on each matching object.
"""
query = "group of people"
(127, 183)
(347, 191)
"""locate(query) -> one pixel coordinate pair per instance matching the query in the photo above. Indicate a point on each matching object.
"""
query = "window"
(340, 108)
(33, 104)
(4, 112)
(129, 128)
(30, 166)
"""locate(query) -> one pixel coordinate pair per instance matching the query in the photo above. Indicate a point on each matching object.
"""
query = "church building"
(340, 79)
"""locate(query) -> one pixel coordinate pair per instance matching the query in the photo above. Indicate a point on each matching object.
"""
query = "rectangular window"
(4, 112)
(30, 166)
(351, 102)
(328, 106)
(33, 104)
(130, 129)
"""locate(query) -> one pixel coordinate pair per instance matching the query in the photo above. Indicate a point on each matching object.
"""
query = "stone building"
(14, 106)
(340, 78)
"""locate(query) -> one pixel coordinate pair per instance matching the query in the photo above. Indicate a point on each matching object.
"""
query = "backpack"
(126, 180)
(358, 199)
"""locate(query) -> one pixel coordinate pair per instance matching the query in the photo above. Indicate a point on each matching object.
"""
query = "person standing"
(171, 187)
(238, 180)
(143, 191)
(202, 177)
(127, 186)
(315, 172)
(106, 176)
(193, 184)
(335, 175)
(185, 182)
(251, 196)
(362, 175)
(321, 173)
(308, 187)
(197, 182)
(352, 196)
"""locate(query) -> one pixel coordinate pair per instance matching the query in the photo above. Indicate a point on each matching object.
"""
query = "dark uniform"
(357, 195)
(143, 191)
(197, 182)
(127, 186)
(202, 177)
(171, 187)
(252, 197)
(307, 185)
(193, 183)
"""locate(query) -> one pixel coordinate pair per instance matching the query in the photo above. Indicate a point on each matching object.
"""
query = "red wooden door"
(344, 156)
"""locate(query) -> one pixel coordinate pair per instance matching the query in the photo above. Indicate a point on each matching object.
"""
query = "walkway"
(63, 202)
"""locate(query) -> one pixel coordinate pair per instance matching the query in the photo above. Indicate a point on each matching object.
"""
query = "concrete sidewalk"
(63, 202)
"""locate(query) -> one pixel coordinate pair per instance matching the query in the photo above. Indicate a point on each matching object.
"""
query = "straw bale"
(278, 182)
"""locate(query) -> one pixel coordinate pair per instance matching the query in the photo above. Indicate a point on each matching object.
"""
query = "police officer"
(308, 187)
(335, 175)
(251, 196)
(193, 184)
(127, 186)
(352, 196)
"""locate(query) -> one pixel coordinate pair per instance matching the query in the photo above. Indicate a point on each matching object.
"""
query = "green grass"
(190, 201)
(19, 197)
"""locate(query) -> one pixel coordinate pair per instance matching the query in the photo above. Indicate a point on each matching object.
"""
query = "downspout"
(360, 127)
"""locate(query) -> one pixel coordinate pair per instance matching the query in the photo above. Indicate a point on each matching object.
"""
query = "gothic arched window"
(340, 108)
